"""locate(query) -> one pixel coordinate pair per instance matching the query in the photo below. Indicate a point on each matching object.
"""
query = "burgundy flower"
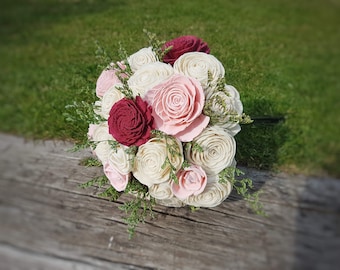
(182, 45)
(130, 121)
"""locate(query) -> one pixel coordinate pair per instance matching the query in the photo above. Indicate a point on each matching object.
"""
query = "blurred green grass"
(282, 56)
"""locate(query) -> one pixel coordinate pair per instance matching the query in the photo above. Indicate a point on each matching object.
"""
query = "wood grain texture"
(48, 222)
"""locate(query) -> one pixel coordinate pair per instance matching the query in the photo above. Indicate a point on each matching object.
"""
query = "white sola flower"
(201, 66)
(149, 160)
(225, 109)
(110, 97)
(141, 57)
(164, 196)
(219, 148)
(213, 195)
(120, 160)
(102, 136)
(149, 76)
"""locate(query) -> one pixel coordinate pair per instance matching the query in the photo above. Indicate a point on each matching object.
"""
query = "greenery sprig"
(99, 181)
(157, 45)
(243, 187)
(172, 150)
(139, 208)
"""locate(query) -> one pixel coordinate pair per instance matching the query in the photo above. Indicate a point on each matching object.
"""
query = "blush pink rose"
(182, 45)
(109, 78)
(118, 181)
(191, 181)
(177, 106)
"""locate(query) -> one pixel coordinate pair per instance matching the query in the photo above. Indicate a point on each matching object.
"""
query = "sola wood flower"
(219, 149)
(130, 121)
(204, 67)
(164, 126)
(149, 163)
(182, 45)
(177, 106)
(149, 76)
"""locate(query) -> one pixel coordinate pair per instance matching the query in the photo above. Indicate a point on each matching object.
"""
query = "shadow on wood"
(48, 222)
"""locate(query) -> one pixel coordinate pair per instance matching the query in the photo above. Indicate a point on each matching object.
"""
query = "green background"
(283, 57)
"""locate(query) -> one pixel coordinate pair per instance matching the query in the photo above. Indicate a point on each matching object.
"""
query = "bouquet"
(163, 128)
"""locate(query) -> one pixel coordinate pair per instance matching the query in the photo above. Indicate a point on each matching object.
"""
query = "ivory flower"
(161, 191)
(110, 97)
(141, 57)
(149, 160)
(219, 149)
(214, 194)
(172, 202)
(120, 160)
(102, 136)
(164, 196)
(224, 108)
(102, 151)
(101, 133)
(198, 65)
(148, 76)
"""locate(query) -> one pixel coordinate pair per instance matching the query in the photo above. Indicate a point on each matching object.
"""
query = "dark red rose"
(182, 45)
(130, 121)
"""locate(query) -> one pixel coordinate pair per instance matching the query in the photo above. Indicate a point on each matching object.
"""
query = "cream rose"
(101, 133)
(148, 76)
(118, 181)
(213, 195)
(172, 202)
(141, 57)
(161, 191)
(177, 106)
(191, 181)
(101, 136)
(164, 196)
(150, 158)
(102, 151)
(198, 65)
(110, 97)
(223, 108)
(120, 160)
(219, 149)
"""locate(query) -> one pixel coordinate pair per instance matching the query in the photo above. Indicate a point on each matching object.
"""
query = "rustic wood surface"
(48, 222)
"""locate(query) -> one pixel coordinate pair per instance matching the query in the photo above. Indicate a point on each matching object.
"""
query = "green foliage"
(91, 162)
(172, 150)
(194, 208)
(157, 45)
(139, 208)
(243, 187)
(99, 181)
(195, 147)
(110, 193)
(102, 56)
(272, 53)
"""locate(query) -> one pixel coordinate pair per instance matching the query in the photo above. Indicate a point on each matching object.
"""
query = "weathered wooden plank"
(48, 222)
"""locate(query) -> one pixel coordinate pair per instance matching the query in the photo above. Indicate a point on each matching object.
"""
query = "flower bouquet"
(163, 128)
